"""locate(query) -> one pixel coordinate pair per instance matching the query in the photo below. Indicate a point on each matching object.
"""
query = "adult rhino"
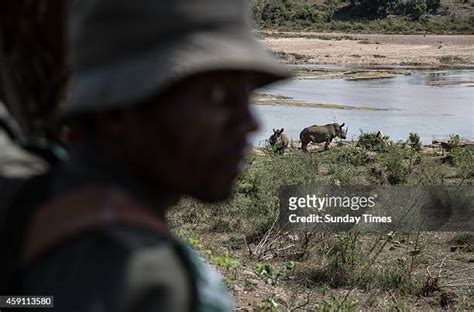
(279, 141)
(320, 134)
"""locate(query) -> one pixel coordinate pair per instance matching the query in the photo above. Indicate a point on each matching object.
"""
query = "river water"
(419, 103)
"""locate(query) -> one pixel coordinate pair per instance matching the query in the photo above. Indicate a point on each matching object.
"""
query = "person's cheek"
(218, 135)
(192, 135)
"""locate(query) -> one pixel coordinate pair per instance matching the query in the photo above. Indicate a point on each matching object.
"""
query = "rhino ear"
(274, 131)
(282, 129)
(343, 125)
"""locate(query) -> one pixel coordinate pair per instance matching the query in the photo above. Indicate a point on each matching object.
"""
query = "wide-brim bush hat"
(123, 52)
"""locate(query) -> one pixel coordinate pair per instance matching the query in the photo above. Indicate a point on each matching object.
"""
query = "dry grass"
(268, 269)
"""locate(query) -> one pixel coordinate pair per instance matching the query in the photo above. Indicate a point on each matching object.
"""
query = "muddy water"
(434, 104)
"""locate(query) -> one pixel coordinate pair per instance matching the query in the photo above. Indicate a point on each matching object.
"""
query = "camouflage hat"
(125, 51)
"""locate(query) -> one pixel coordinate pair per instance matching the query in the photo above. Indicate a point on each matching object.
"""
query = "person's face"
(193, 140)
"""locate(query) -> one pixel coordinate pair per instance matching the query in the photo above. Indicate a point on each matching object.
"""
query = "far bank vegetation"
(366, 16)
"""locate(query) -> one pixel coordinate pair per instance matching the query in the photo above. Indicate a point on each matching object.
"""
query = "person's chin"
(213, 196)
(220, 186)
(219, 190)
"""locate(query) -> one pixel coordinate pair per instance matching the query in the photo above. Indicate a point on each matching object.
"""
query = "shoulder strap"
(80, 211)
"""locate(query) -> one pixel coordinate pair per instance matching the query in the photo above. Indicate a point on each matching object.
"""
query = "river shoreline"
(415, 51)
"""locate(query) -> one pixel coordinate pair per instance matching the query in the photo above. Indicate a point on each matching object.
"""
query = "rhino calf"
(279, 141)
(320, 134)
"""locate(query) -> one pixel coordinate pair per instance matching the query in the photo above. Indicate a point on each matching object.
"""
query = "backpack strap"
(64, 218)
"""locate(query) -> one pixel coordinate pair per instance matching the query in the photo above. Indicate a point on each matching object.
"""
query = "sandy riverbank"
(372, 49)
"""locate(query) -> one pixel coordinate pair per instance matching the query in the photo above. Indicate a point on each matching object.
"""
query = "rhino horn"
(343, 125)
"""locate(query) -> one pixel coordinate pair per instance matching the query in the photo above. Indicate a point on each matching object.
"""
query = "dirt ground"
(372, 49)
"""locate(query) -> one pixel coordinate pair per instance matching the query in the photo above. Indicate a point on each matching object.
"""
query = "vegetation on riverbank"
(366, 16)
(271, 270)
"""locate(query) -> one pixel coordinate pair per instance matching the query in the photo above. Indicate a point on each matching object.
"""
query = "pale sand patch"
(276, 100)
(389, 50)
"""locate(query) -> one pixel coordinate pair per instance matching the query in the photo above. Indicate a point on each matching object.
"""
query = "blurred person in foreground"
(158, 107)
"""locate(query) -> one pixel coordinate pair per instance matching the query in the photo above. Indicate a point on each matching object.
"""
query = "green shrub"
(453, 141)
(416, 8)
(433, 5)
(309, 15)
(343, 262)
(396, 168)
(334, 303)
(414, 141)
(354, 260)
(463, 161)
(275, 12)
(397, 276)
(354, 155)
(374, 141)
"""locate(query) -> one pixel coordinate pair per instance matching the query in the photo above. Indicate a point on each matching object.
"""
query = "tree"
(416, 8)
(275, 12)
(433, 5)
(375, 8)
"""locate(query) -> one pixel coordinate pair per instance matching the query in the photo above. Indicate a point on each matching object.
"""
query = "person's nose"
(245, 119)
(252, 122)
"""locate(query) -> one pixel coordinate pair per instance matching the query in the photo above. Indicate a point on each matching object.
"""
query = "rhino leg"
(304, 144)
(326, 146)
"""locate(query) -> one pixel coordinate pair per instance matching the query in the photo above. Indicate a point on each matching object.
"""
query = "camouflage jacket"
(95, 247)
